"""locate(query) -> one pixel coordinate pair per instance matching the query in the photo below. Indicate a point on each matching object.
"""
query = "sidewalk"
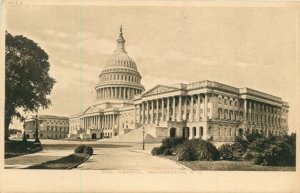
(35, 158)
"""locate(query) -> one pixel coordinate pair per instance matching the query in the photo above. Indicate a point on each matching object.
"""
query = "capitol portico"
(204, 109)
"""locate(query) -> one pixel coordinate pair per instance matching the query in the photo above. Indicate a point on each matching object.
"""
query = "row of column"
(117, 93)
(170, 113)
(99, 122)
(256, 115)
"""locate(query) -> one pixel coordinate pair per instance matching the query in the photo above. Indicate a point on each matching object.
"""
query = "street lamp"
(143, 139)
(24, 128)
(37, 140)
(24, 132)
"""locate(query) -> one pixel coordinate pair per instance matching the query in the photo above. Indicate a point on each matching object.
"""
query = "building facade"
(205, 109)
(49, 127)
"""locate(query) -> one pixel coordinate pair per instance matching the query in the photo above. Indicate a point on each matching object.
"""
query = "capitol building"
(205, 109)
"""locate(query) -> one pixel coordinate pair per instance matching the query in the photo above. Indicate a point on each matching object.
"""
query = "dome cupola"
(120, 79)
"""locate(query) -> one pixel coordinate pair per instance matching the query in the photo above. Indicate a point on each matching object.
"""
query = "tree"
(27, 82)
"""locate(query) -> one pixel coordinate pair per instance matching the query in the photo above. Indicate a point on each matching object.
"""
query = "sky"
(254, 47)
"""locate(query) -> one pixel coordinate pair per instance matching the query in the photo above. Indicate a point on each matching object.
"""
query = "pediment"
(159, 89)
(91, 109)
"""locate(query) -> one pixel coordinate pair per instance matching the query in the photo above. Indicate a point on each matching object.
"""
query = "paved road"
(127, 159)
(107, 156)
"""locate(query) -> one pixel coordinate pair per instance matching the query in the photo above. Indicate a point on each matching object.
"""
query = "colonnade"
(102, 122)
(117, 93)
(175, 108)
(263, 114)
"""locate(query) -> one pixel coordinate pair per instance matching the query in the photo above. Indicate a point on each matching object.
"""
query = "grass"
(67, 162)
(15, 148)
(229, 166)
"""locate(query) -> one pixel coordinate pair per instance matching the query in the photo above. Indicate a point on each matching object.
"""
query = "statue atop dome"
(121, 41)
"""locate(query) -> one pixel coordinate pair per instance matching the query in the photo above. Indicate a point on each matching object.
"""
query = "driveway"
(127, 159)
(107, 156)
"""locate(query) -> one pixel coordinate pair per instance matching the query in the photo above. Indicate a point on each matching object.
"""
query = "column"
(192, 109)
(110, 121)
(185, 109)
(162, 109)
(106, 121)
(168, 109)
(152, 111)
(157, 112)
(179, 109)
(113, 120)
(143, 113)
(85, 123)
(245, 111)
(174, 110)
(205, 106)
(147, 110)
(198, 109)
(124, 92)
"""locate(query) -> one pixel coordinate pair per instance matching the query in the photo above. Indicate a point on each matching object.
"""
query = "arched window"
(201, 131)
(194, 131)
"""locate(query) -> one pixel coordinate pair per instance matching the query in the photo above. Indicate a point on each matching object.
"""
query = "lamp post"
(37, 140)
(24, 132)
(143, 139)
(24, 128)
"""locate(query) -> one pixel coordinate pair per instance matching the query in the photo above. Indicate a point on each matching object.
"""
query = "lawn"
(228, 166)
(15, 148)
(67, 162)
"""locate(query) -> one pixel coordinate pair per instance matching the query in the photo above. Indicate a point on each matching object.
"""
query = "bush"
(197, 149)
(88, 150)
(231, 152)
(274, 151)
(80, 149)
(173, 142)
(157, 150)
(253, 136)
(168, 146)
(168, 151)
(242, 142)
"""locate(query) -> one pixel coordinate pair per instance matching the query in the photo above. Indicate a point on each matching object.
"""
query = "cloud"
(56, 34)
(176, 56)
(245, 64)
(88, 42)
(59, 45)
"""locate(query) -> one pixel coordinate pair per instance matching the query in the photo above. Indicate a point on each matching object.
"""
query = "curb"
(77, 164)
(185, 167)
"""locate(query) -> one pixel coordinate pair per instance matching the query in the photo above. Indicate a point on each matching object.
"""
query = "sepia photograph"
(149, 87)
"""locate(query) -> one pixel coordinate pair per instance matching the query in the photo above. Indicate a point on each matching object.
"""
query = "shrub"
(253, 136)
(197, 149)
(88, 150)
(242, 142)
(80, 149)
(187, 153)
(168, 146)
(173, 142)
(157, 150)
(274, 151)
(231, 152)
(168, 151)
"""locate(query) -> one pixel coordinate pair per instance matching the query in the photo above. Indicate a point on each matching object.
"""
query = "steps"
(134, 136)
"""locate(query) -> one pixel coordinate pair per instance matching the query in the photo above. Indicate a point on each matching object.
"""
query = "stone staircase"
(134, 136)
